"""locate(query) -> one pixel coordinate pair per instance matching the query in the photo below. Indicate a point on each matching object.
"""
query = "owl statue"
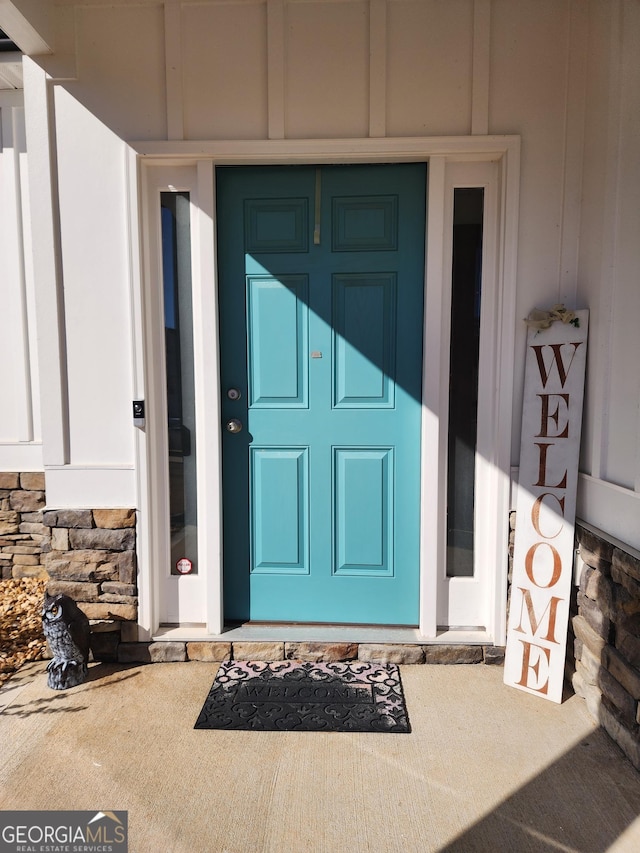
(67, 629)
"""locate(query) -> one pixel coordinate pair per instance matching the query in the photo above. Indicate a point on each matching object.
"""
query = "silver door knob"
(234, 425)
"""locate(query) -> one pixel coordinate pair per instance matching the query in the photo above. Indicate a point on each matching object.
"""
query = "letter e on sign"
(546, 507)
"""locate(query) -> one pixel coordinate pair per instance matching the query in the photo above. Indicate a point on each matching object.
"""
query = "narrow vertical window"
(463, 378)
(178, 323)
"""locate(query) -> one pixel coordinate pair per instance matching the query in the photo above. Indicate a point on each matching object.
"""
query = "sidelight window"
(178, 330)
(463, 378)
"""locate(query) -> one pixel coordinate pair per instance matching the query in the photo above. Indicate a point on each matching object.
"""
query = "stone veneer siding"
(92, 559)
(23, 536)
(90, 555)
(164, 651)
(605, 628)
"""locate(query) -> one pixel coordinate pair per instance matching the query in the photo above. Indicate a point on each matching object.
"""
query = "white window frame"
(462, 605)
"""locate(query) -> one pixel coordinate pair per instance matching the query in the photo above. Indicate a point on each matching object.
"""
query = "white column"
(46, 264)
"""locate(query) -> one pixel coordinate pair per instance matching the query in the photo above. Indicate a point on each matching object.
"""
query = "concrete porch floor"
(486, 768)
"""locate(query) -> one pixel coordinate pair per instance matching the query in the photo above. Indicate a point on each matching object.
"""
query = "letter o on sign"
(541, 563)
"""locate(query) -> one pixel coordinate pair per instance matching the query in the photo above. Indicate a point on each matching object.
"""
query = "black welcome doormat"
(311, 697)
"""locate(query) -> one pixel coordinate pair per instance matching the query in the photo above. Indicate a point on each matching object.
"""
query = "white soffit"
(11, 70)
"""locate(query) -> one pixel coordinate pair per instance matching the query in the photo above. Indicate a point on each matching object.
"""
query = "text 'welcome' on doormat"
(311, 697)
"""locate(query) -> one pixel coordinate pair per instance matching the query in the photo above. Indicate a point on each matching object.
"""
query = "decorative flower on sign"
(539, 319)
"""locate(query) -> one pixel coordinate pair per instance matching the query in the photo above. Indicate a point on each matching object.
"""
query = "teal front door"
(321, 275)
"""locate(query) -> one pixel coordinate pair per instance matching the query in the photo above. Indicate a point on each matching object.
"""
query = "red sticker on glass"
(184, 566)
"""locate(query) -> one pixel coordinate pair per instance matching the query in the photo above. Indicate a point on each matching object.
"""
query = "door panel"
(279, 510)
(277, 310)
(364, 329)
(321, 333)
(363, 517)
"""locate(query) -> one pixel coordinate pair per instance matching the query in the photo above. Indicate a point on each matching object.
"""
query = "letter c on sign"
(535, 515)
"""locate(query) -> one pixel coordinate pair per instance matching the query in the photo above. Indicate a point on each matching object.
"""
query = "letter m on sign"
(545, 508)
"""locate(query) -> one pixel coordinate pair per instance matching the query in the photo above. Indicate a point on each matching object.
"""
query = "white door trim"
(173, 598)
(461, 603)
(200, 160)
(433, 527)
(208, 414)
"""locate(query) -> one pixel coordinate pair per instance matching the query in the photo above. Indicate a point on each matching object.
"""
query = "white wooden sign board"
(545, 508)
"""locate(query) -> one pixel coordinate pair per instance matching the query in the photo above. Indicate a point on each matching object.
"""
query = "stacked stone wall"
(23, 536)
(92, 559)
(164, 651)
(606, 638)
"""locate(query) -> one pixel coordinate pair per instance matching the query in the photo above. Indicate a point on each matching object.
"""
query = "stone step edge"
(315, 652)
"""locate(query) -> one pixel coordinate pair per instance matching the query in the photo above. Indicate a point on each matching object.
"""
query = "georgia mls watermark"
(63, 832)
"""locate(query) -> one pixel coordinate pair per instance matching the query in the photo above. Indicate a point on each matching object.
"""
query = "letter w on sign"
(546, 508)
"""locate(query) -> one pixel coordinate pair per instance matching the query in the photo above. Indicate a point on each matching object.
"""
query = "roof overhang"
(11, 70)
(30, 24)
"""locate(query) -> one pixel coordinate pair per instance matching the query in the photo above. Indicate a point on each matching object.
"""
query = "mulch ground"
(21, 637)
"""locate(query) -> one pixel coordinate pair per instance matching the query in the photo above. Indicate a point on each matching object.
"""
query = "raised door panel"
(279, 510)
(363, 511)
(364, 339)
(277, 321)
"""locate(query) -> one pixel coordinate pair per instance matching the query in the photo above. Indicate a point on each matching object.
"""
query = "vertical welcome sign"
(546, 504)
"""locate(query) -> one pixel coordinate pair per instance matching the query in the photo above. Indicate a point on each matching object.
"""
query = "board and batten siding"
(562, 74)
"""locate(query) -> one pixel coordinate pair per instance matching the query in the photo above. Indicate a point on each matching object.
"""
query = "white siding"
(19, 409)
(430, 52)
(120, 66)
(563, 74)
(327, 69)
(95, 274)
(224, 79)
(608, 272)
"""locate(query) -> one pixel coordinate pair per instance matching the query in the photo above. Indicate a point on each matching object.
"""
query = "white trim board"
(21, 457)
(291, 151)
(108, 486)
(611, 508)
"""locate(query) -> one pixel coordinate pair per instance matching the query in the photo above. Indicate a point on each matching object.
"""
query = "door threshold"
(313, 633)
